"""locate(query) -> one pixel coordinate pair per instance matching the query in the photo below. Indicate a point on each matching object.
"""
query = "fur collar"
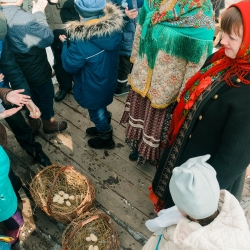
(111, 22)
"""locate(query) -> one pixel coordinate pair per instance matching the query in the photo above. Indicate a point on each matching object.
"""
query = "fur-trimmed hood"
(110, 23)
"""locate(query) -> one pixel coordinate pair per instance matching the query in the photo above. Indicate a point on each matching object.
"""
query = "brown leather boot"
(52, 127)
(34, 124)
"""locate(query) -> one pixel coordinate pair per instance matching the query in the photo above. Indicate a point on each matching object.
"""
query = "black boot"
(104, 140)
(60, 95)
(42, 159)
(93, 130)
(133, 156)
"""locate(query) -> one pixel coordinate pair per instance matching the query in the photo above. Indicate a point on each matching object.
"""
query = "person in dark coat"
(92, 58)
(213, 114)
(17, 123)
(29, 35)
(130, 9)
(57, 14)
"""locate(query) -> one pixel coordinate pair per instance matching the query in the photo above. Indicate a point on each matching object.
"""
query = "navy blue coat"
(129, 27)
(92, 58)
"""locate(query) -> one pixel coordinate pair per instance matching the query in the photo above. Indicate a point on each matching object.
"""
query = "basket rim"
(90, 188)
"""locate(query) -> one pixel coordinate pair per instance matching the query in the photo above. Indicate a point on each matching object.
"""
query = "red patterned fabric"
(141, 132)
(158, 203)
(240, 67)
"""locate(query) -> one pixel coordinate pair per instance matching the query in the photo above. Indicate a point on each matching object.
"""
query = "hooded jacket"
(92, 57)
(29, 35)
(229, 230)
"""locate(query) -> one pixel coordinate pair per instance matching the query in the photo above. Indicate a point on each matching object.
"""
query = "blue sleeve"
(72, 58)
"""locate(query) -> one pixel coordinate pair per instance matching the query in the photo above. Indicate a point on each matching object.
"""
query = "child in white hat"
(204, 218)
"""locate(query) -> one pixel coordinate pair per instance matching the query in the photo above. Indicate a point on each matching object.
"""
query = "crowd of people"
(187, 110)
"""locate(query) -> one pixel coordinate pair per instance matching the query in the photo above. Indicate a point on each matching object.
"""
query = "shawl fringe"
(174, 44)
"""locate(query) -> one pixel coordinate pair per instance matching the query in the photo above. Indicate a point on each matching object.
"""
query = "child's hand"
(9, 112)
(34, 110)
(131, 13)
(39, 6)
(15, 97)
(1, 77)
(63, 38)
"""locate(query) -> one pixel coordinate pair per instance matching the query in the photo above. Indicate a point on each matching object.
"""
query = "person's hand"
(133, 13)
(1, 77)
(40, 5)
(33, 109)
(15, 97)
(63, 38)
(9, 112)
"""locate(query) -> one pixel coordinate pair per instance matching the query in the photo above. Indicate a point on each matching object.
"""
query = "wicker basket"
(92, 222)
(56, 178)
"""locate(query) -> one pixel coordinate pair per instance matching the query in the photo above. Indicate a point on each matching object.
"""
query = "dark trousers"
(64, 79)
(23, 133)
(43, 97)
(15, 181)
(124, 68)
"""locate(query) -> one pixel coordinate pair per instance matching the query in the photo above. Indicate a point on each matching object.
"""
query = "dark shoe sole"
(111, 146)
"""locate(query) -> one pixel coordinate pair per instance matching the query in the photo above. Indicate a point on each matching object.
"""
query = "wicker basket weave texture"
(92, 222)
(56, 178)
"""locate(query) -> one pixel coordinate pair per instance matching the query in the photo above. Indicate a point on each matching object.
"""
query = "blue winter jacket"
(92, 57)
(8, 199)
(129, 26)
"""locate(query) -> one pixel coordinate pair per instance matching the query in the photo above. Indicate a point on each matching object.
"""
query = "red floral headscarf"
(240, 67)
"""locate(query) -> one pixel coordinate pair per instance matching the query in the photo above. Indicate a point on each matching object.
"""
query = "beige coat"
(229, 231)
(165, 82)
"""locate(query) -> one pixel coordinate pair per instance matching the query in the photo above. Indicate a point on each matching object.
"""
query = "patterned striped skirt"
(146, 127)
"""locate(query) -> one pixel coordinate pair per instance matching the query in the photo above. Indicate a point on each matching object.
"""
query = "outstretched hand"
(40, 5)
(131, 13)
(15, 97)
(9, 112)
(34, 110)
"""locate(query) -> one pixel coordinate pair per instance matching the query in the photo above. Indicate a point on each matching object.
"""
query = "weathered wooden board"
(121, 185)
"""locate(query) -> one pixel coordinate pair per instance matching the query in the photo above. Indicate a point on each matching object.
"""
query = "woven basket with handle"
(56, 178)
(92, 222)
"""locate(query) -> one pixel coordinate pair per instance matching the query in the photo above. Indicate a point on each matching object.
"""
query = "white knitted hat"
(194, 188)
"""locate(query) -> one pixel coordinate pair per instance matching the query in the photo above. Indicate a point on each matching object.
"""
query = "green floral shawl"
(183, 28)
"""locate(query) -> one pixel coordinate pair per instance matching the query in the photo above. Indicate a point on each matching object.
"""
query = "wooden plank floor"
(121, 186)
